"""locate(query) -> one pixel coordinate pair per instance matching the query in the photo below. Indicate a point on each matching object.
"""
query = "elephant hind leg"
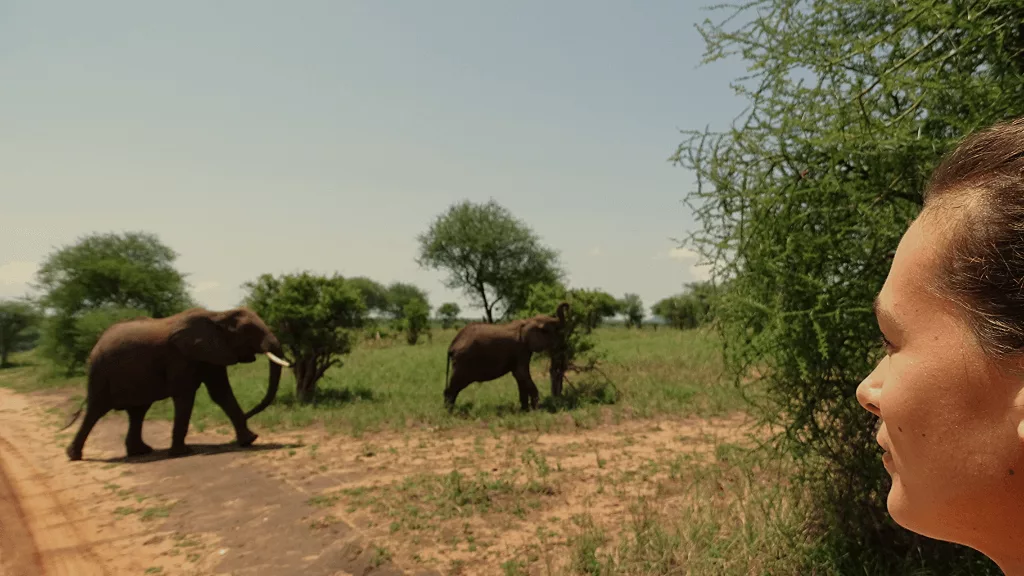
(182, 414)
(133, 441)
(93, 412)
(457, 384)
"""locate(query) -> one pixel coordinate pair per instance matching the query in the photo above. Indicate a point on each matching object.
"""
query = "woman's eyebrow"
(884, 314)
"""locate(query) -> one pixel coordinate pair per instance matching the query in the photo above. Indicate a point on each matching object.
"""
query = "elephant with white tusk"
(485, 352)
(138, 362)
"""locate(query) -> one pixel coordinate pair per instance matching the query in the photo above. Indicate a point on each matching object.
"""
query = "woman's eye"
(887, 346)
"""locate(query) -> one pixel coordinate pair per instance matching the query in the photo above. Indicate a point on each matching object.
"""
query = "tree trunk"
(305, 380)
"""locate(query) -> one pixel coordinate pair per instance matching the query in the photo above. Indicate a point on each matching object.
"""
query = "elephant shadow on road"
(198, 450)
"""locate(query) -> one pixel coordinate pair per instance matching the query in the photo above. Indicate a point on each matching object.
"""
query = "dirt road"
(304, 502)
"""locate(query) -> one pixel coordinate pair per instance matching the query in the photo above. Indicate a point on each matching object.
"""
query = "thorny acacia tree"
(852, 103)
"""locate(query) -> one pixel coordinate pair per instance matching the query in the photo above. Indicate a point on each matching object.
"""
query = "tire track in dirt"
(18, 553)
(47, 526)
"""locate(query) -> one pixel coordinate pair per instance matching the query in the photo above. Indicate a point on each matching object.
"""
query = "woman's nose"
(869, 392)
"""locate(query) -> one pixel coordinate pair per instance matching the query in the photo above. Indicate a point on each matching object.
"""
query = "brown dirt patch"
(307, 502)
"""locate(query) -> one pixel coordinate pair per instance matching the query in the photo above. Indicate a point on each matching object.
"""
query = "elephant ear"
(203, 340)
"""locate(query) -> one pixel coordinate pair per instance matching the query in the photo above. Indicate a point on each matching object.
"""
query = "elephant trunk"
(272, 349)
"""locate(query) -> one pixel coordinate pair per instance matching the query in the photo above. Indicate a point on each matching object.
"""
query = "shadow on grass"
(585, 393)
(197, 451)
(330, 397)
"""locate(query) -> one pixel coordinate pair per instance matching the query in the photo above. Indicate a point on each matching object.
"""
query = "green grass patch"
(649, 372)
(422, 501)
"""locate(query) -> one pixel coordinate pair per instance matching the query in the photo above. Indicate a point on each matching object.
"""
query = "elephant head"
(542, 331)
(230, 337)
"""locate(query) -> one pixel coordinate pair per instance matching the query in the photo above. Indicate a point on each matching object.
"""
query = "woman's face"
(951, 434)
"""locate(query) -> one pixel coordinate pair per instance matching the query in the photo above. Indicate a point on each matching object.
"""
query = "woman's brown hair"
(979, 190)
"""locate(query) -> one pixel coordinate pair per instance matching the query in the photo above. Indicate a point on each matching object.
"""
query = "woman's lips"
(887, 462)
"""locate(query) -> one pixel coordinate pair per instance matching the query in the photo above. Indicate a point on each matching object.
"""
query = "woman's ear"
(201, 339)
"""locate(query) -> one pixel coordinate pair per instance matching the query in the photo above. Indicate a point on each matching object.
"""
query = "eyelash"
(886, 345)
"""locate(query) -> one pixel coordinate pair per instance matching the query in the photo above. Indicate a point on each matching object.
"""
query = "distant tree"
(449, 312)
(130, 271)
(632, 308)
(489, 255)
(15, 320)
(374, 294)
(416, 315)
(594, 306)
(689, 309)
(316, 318)
(400, 294)
(409, 309)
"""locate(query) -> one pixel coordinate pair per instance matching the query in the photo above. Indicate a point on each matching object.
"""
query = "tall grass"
(391, 385)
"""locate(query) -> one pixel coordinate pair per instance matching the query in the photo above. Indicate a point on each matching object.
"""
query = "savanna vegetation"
(798, 205)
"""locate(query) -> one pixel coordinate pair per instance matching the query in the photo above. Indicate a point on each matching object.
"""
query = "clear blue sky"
(256, 136)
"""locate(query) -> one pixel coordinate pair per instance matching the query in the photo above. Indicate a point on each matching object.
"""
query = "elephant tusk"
(277, 360)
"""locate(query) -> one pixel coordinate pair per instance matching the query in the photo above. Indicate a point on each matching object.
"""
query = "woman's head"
(950, 390)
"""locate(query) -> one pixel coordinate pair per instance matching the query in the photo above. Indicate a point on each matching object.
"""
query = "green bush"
(316, 318)
(18, 321)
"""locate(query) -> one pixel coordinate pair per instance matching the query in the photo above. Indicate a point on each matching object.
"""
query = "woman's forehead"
(914, 267)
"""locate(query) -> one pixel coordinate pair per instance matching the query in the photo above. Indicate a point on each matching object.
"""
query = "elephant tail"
(447, 366)
(74, 416)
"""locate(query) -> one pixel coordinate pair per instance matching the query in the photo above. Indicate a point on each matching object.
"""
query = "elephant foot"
(74, 454)
(246, 438)
(140, 449)
(178, 451)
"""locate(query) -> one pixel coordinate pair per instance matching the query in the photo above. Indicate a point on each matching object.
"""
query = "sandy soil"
(262, 510)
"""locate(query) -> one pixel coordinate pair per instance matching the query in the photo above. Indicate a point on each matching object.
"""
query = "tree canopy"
(851, 105)
(130, 270)
(632, 307)
(314, 317)
(124, 274)
(490, 255)
(689, 309)
(15, 319)
(448, 312)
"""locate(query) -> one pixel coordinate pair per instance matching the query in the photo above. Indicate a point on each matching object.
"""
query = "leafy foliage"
(409, 309)
(576, 351)
(595, 306)
(489, 254)
(374, 294)
(632, 307)
(449, 312)
(416, 315)
(15, 320)
(132, 271)
(852, 104)
(90, 325)
(316, 318)
(690, 309)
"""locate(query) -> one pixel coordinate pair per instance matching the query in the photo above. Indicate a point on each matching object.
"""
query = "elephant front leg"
(219, 388)
(182, 414)
(529, 396)
(133, 441)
